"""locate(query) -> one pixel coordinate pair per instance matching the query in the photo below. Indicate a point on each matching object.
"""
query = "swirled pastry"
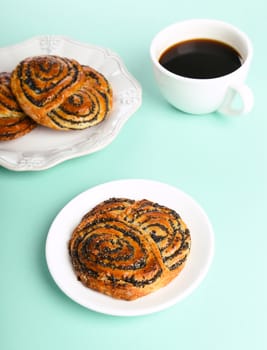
(57, 92)
(14, 122)
(128, 249)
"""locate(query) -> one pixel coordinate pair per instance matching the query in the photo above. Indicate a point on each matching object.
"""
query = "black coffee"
(201, 59)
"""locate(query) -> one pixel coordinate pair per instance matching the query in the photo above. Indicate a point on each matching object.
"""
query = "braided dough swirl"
(127, 249)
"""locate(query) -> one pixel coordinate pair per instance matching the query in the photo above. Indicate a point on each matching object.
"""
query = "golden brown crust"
(59, 93)
(128, 249)
(13, 121)
(101, 84)
(13, 128)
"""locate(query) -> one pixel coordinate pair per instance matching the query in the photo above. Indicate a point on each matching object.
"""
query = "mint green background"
(220, 161)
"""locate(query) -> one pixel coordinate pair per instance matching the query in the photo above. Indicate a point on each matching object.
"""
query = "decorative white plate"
(196, 268)
(43, 148)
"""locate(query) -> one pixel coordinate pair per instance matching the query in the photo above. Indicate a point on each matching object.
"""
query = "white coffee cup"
(201, 96)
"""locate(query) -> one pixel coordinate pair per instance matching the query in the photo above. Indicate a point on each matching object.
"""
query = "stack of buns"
(52, 91)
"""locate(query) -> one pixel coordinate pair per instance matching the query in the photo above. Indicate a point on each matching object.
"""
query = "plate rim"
(34, 164)
(148, 310)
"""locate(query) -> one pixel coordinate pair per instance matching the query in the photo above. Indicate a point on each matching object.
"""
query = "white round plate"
(195, 269)
(43, 148)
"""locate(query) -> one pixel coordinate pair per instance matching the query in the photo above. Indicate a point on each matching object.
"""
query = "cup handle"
(246, 97)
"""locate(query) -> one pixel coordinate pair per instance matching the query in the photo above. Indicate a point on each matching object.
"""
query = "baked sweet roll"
(14, 123)
(127, 249)
(56, 92)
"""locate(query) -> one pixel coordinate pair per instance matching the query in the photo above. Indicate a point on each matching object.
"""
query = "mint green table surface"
(220, 161)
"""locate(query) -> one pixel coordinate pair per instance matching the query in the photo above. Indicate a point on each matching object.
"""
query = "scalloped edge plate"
(43, 148)
(196, 268)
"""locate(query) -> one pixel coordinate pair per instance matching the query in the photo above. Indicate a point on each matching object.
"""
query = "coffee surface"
(201, 59)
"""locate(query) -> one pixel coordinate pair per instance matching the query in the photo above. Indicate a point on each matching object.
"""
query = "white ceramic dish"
(44, 148)
(196, 267)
